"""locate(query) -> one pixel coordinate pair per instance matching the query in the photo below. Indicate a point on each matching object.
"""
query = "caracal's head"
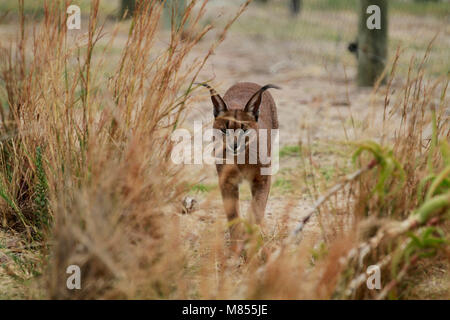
(237, 124)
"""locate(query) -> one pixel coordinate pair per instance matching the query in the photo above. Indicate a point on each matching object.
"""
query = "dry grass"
(86, 179)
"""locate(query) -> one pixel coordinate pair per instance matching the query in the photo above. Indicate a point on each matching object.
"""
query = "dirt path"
(313, 109)
(319, 106)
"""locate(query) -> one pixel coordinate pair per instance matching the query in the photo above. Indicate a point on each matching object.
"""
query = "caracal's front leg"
(260, 186)
(229, 187)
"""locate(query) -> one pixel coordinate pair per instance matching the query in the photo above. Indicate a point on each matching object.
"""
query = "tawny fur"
(231, 113)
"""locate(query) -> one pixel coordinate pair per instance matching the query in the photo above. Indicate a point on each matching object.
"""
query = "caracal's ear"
(218, 103)
(253, 104)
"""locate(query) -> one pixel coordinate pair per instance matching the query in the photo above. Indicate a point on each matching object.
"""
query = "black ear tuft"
(269, 86)
(218, 103)
(255, 101)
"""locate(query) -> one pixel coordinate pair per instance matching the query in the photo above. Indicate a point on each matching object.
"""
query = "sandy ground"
(319, 106)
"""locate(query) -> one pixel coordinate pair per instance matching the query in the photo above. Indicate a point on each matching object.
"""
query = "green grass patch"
(36, 7)
(327, 172)
(421, 8)
(331, 4)
(202, 188)
(290, 151)
(425, 7)
(283, 184)
(272, 27)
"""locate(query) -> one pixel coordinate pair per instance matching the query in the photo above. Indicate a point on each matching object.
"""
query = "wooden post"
(372, 41)
(179, 6)
(127, 5)
(296, 6)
